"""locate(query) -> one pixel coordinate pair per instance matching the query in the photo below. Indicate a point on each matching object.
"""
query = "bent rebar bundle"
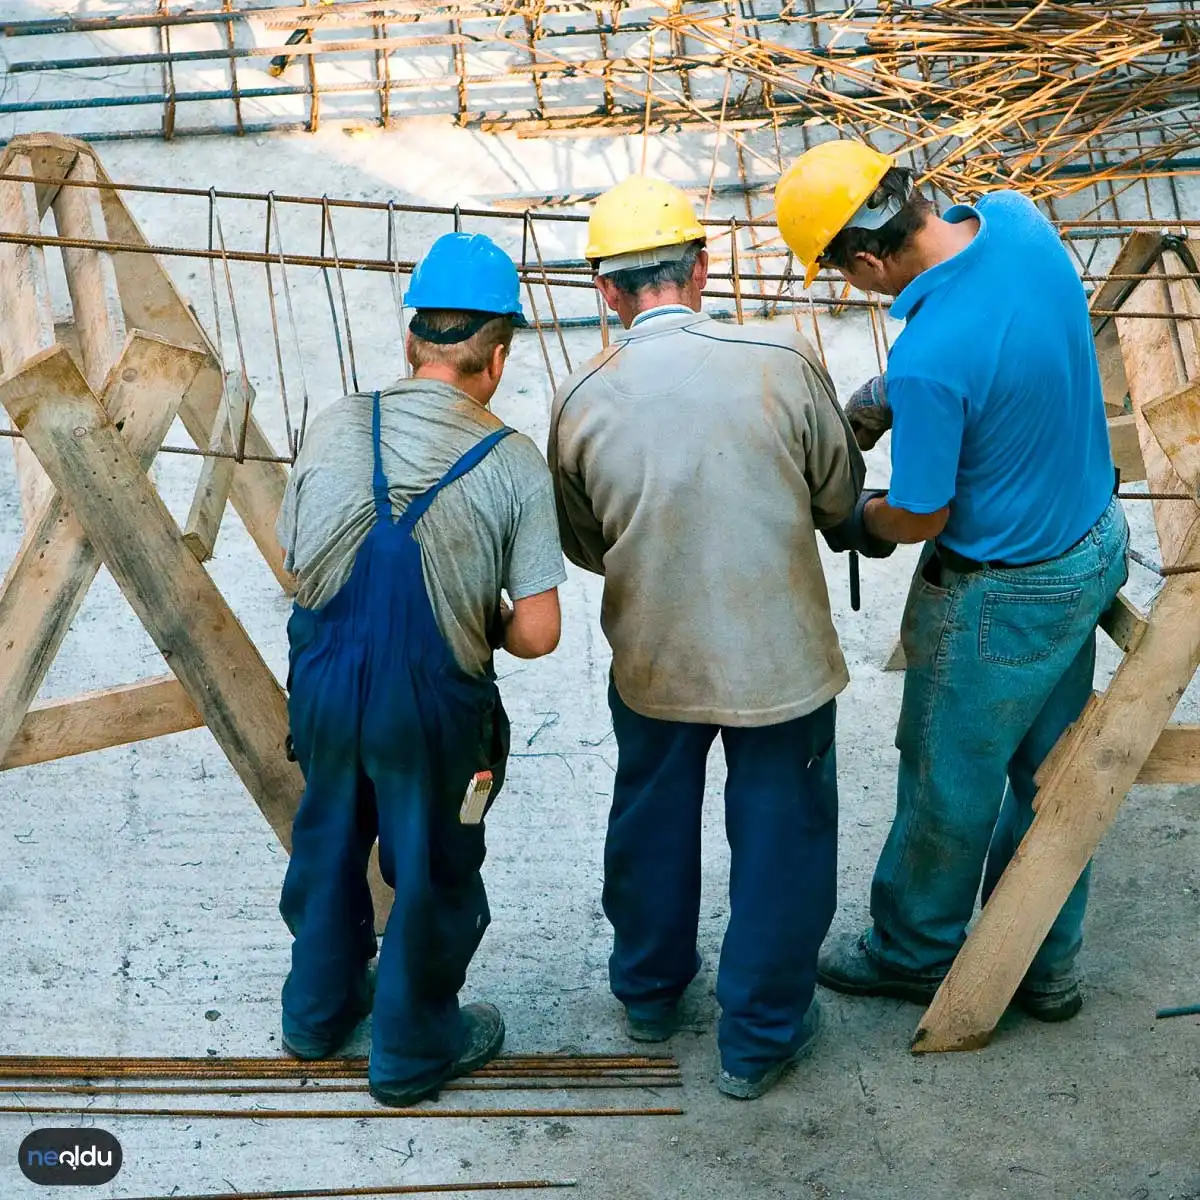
(1048, 97)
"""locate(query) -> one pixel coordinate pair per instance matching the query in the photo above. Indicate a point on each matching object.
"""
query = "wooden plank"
(1175, 757)
(1124, 622)
(1137, 252)
(1155, 367)
(216, 475)
(56, 564)
(896, 660)
(1113, 384)
(1077, 804)
(1174, 421)
(28, 323)
(99, 322)
(52, 156)
(151, 301)
(1126, 448)
(97, 720)
(125, 519)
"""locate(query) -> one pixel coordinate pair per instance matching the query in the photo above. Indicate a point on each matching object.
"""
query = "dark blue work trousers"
(781, 821)
(388, 730)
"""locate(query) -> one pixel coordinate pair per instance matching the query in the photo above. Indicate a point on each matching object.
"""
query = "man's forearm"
(901, 526)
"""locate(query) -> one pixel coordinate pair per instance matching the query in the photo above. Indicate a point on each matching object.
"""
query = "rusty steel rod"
(331, 1114)
(394, 1189)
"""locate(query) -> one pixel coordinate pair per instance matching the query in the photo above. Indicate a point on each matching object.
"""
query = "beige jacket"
(693, 463)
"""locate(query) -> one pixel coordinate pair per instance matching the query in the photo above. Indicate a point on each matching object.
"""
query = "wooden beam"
(1108, 750)
(1175, 757)
(1113, 384)
(1174, 419)
(1138, 252)
(99, 323)
(27, 326)
(896, 660)
(1126, 448)
(51, 155)
(56, 563)
(97, 720)
(1124, 622)
(216, 474)
(128, 524)
(1155, 366)
(151, 301)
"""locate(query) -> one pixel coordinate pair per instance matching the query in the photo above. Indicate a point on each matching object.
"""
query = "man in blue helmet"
(406, 514)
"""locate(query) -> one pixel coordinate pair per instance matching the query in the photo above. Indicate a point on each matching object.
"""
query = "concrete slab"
(139, 885)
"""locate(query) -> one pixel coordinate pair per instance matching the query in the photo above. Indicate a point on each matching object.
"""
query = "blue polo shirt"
(996, 393)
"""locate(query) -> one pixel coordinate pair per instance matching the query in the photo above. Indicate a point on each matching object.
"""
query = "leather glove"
(851, 534)
(869, 413)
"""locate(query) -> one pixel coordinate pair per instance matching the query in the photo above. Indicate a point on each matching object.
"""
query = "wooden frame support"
(56, 563)
(125, 520)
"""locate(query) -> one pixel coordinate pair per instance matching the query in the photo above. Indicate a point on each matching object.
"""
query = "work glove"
(868, 412)
(852, 534)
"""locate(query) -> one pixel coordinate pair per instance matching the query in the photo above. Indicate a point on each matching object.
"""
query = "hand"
(852, 533)
(869, 413)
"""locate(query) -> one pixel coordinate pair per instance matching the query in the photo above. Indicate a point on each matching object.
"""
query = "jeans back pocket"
(1025, 628)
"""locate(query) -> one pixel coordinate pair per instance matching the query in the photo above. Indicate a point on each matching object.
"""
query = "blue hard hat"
(467, 272)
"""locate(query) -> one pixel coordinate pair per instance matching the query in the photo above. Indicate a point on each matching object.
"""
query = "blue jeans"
(1000, 663)
(781, 821)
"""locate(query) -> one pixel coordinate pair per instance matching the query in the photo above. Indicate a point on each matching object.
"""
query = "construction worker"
(693, 463)
(1001, 464)
(406, 514)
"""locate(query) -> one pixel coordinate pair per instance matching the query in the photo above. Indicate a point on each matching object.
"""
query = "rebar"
(395, 1189)
(331, 1114)
(1066, 98)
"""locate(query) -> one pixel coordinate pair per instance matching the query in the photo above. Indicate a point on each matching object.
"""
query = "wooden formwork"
(1123, 736)
(94, 400)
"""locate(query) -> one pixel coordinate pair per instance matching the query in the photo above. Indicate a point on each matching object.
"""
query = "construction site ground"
(140, 884)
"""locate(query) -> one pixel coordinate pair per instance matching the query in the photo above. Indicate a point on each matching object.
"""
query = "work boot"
(485, 1039)
(1057, 999)
(741, 1088)
(845, 965)
(308, 1048)
(652, 1025)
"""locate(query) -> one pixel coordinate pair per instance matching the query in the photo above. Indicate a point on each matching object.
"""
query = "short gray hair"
(668, 274)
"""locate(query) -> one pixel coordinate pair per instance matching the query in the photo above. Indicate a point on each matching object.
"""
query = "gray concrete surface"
(139, 885)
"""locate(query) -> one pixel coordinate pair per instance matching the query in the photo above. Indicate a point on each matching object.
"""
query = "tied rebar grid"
(1047, 97)
(750, 268)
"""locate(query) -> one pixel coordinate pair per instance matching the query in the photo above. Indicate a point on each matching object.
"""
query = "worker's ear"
(608, 290)
(495, 363)
(700, 270)
(408, 348)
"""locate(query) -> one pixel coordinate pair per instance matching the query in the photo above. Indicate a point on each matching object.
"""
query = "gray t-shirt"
(493, 528)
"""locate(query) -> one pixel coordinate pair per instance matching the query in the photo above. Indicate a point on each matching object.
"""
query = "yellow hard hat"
(819, 194)
(637, 217)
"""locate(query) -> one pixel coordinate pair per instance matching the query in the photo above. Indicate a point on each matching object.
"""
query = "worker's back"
(996, 394)
(692, 463)
(493, 528)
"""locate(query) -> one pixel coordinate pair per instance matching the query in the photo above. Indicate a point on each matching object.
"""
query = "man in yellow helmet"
(693, 463)
(1001, 463)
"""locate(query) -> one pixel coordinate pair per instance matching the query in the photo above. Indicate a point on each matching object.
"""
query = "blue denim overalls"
(388, 730)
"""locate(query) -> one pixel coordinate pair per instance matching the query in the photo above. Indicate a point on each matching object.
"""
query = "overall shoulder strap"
(419, 505)
(379, 483)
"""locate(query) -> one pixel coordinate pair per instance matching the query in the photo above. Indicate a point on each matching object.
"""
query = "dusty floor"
(140, 884)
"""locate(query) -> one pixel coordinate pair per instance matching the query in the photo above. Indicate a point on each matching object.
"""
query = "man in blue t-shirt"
(1001, 463)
